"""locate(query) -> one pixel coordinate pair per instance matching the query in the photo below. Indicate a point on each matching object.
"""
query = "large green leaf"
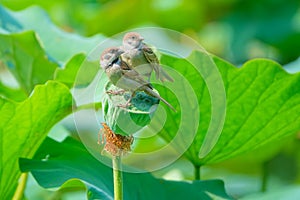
(23, 127)
(70, 159)
(12, 93)
(263, 106)
(67, 75)
(78, 71)
(26, 59)
(59, 44)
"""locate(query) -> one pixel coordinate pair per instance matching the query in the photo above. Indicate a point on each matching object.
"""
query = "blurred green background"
(236, 30)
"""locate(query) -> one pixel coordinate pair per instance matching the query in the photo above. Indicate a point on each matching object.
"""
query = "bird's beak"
(141, 38)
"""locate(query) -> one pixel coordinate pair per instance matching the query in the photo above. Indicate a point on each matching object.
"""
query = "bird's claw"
(126, 105)
(112, 92)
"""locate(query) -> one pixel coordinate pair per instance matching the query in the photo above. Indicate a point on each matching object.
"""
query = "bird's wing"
(124, 65)
(132, 74)
(153, 60)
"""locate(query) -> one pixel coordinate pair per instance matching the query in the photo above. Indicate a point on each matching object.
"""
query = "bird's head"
(109, 56)
(132, 40)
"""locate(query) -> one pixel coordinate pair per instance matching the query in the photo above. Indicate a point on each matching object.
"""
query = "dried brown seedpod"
(115, 144)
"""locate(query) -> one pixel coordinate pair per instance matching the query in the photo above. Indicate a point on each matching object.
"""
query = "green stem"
(264, 178)
(95, 106)
(197, 172)
(118, 178)
(21, 187)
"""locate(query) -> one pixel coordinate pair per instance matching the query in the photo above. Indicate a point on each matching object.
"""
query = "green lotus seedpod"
(127, 120)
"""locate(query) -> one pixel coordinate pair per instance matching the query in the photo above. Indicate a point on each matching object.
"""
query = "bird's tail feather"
(154, 94)
(164, 76)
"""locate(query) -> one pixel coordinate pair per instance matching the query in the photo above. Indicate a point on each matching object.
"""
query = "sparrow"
(125, 78)
(139, 56)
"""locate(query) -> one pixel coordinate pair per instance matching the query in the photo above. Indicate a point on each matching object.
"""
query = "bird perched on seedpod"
(122, 76)
(139, 56)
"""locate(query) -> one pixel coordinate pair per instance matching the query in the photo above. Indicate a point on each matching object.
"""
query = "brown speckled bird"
(139, 56)
(123, 77)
